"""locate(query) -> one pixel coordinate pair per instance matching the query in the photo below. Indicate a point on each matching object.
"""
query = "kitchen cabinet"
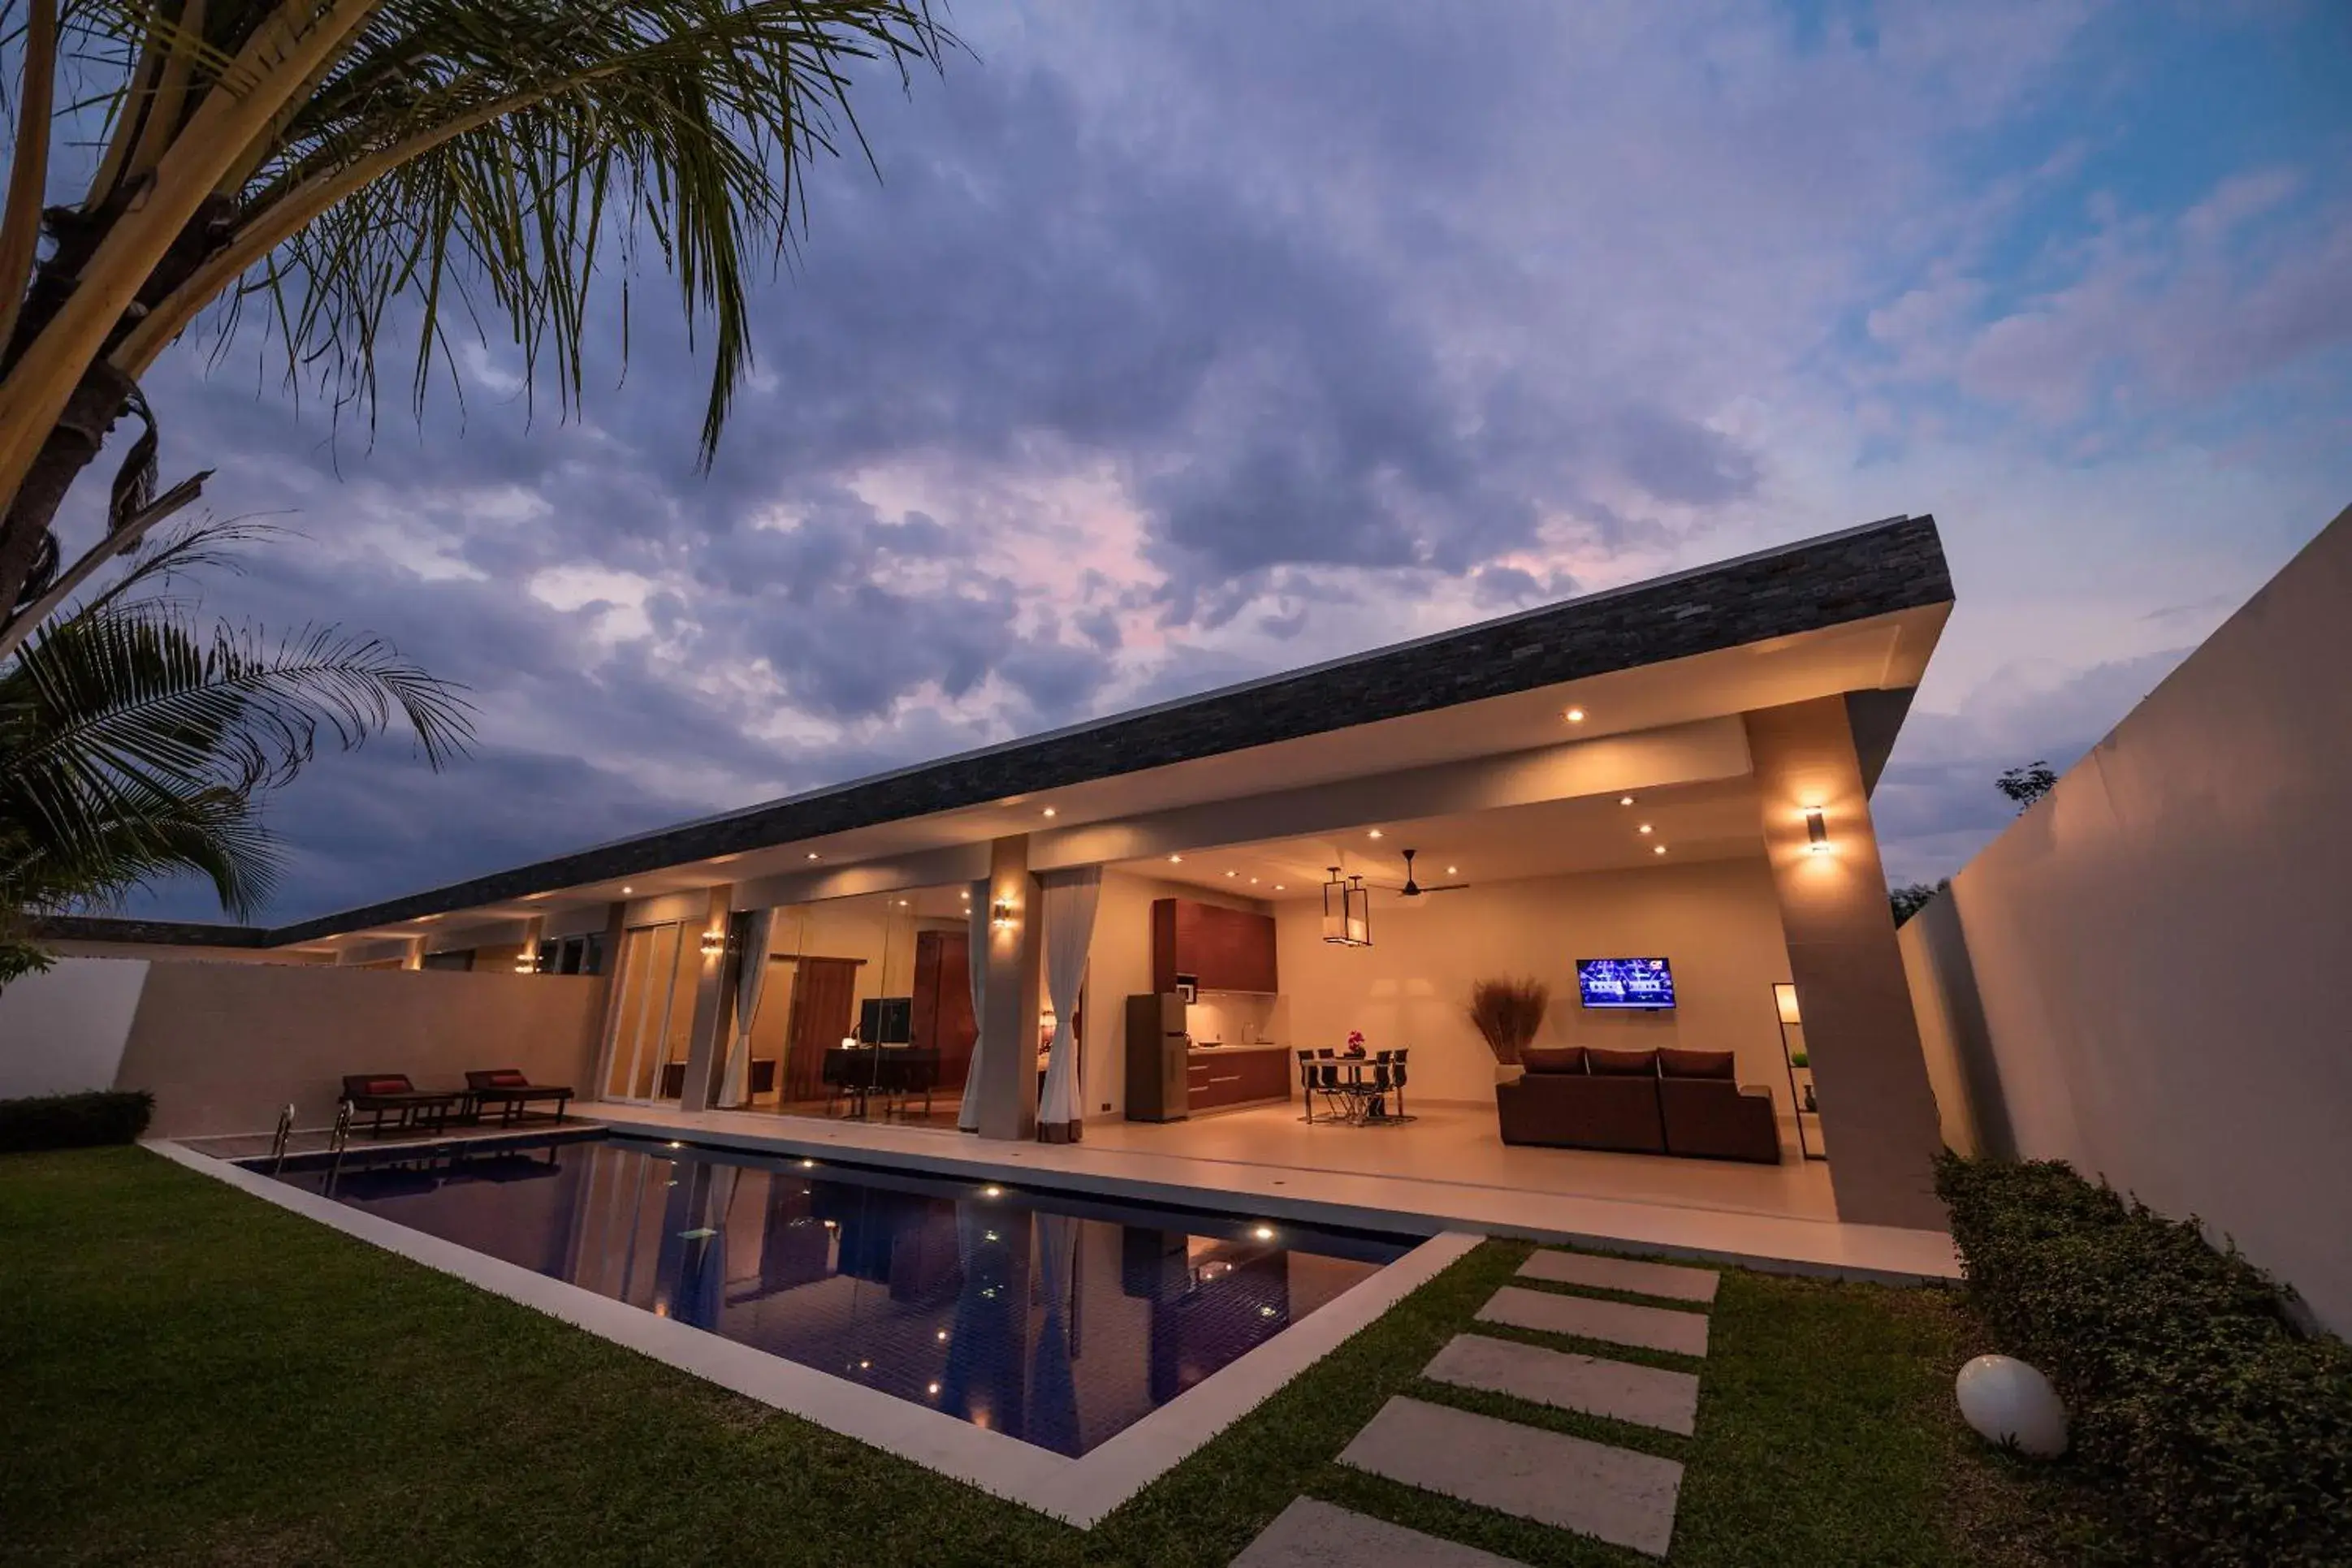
(1221, 949)
(1237, 1075)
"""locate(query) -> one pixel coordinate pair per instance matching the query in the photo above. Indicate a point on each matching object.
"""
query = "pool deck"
(317, 1140)
(1756, 1217)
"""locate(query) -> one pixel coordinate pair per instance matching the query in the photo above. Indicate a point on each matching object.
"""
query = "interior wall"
(2158, 945)
(1118, 966)
(1716, 921)
(63, 1031)
(223, 1046)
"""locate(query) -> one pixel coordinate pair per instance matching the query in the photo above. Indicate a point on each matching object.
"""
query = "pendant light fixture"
(1335, 909)
(1359, 913)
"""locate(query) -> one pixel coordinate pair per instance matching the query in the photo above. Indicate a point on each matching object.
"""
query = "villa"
(1130, 937)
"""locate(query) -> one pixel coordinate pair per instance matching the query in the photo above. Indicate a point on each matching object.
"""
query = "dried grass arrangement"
(1507, 1013)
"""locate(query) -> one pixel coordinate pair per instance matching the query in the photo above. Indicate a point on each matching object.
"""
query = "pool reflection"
(1055, 1320)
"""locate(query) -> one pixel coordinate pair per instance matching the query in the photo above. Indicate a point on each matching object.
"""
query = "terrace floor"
(1446, 1170)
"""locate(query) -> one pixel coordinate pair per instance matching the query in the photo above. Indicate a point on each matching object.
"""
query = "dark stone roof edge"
(1853, 574)
(153, 933)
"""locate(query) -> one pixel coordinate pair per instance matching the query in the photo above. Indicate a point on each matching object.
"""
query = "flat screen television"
(1625, 983)
(886, 1021)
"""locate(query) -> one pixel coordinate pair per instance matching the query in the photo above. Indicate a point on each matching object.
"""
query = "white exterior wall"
(63, 1031)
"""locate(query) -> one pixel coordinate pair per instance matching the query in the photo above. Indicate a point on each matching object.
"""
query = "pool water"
(1055, 1319)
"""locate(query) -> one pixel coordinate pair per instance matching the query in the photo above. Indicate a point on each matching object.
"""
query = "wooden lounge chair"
(391, 1093)
(511, 1090)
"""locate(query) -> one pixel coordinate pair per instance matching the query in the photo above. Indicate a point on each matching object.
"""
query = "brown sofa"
(1638, 1102)
(1708, 1115)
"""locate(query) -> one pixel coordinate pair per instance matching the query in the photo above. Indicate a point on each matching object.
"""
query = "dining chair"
(1306, 1080)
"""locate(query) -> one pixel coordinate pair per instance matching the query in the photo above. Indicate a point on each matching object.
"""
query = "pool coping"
(1078, 1492)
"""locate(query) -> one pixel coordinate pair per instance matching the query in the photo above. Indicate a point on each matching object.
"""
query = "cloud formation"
(1165, 352)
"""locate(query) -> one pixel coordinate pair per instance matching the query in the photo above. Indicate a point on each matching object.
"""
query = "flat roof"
(1878, 569)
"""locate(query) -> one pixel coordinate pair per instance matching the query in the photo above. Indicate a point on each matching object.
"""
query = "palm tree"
(133, 750)
(322, 161)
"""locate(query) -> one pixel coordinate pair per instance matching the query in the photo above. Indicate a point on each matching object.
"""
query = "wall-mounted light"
(1817, 833)
(713, 944)
(1784, 996)
(999, 914)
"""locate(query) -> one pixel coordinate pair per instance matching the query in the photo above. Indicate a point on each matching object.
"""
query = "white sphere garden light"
(2009, 1402)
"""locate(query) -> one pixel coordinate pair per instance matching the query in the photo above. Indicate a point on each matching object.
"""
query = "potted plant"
(1507, 1013)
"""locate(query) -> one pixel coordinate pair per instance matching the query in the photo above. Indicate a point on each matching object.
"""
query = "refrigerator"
(1158, 1082)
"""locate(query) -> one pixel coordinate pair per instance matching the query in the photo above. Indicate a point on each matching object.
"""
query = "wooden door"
(825, 1002)
(942, 1005)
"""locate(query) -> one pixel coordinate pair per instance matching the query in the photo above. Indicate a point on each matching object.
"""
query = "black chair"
(1306, 1080)
(846, 1071)
(1335, 1086)
(1400, 1076)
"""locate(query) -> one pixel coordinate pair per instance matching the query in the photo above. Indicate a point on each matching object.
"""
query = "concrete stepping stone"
(1668, 1279)
(1311, 1534)
(1646, 1396)
(1619, 1323)
(1608, 1493)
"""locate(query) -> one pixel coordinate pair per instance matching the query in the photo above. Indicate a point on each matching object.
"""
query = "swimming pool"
(1055, 1319)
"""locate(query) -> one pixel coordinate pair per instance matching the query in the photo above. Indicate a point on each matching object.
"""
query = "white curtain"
(975, 961)
(1069, 899)
(750, 978)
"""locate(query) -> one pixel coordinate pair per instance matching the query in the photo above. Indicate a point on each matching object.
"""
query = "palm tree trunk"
(97, 403)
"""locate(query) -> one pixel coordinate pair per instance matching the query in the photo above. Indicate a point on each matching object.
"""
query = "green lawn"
(191, 1376)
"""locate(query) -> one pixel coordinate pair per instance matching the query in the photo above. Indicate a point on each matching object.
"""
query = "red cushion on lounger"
(394, 1083)
(1620, 1063)
(506, 1077)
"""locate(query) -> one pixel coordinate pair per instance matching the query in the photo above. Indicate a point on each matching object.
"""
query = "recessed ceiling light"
(1264, 1233)
(1049, 811)
(1233, 874)
(902, 904)
(1644, 828)
(1453, 871)
(1277, 887)
(1659, 851)
(1253, 882)
(1575, 715)
(1175, 860)
(1373, 834)
(811, 854)
(1625, 799)
(624, 887)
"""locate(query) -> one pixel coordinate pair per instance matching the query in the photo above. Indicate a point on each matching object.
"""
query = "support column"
(1878, 1114)
(704, 1051)
(1006, 1086)
(414, 958)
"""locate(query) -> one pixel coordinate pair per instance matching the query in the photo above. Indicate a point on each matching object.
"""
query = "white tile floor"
(1446, 1170)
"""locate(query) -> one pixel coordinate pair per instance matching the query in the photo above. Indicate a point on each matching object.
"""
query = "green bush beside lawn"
(2225, 1434)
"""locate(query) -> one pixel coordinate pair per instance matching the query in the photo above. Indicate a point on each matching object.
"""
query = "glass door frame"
(659, 1036)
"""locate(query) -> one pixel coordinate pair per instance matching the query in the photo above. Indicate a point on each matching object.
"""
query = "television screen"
(886, 1021)
(1626, 982)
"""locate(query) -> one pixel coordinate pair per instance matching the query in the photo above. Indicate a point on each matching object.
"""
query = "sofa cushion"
(504, 1077)
(1605, 1063)
(1553, 1059)
(1673, 1063)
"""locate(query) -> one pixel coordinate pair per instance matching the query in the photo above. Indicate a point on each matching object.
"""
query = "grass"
(193, 1377)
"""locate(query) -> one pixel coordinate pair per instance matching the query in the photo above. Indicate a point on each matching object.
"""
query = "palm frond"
(119, 714)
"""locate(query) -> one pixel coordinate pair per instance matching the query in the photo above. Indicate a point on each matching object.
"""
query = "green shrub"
(2226, 1433)
(74, 1121)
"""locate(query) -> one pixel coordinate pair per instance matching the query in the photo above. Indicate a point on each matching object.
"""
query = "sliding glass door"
(653, 1017)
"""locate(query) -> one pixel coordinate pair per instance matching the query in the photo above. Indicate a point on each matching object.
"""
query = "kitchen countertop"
(1199, 1049)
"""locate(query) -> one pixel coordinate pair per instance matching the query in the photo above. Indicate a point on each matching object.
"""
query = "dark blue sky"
(1167, 351)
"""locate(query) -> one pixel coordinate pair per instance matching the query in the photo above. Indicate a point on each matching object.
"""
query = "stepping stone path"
(1610, 1493)
(1646, 1396)
(1311, 1534)
(1619, 1323)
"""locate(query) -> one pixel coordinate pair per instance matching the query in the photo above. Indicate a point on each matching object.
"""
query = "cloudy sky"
(1168, 350)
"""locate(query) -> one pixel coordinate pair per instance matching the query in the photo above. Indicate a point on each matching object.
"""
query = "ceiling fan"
(1413, 889)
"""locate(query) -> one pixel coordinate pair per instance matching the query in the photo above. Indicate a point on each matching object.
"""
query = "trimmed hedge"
(2226, 1433)
(74, 1121)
